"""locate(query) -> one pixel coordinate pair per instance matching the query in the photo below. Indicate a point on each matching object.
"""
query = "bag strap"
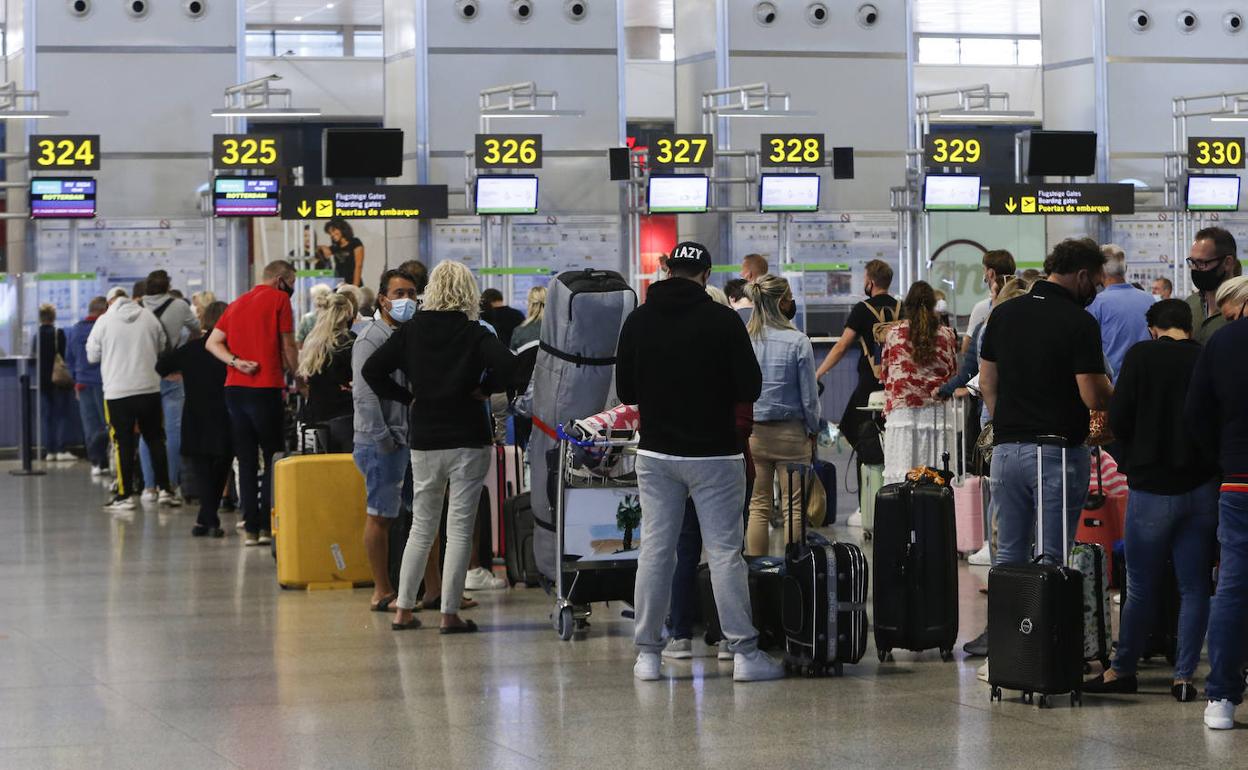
(158, 312)
(576, 359)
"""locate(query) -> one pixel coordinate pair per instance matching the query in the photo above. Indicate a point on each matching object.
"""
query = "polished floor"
(126, 644)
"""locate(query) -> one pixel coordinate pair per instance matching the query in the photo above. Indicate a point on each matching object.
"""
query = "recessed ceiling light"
(329, 5)
(298, 18)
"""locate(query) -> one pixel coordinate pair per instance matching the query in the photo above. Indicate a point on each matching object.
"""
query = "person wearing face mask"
(1041, 370)
(1212, 260)
(920, 356)
(786, 414)
(255, 338)
(381, 431)
(999, 266)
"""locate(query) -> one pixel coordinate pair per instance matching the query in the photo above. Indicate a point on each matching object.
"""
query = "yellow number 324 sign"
(63, 152)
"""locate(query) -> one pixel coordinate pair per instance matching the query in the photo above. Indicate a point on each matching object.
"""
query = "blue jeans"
(172, 397)
(684, 580)
(717, 488)
(1013, 486)
(1228, 616)
(94, 424)
(1182, 527)
(54, 407)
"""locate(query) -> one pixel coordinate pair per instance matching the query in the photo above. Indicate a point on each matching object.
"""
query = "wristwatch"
(233, 361)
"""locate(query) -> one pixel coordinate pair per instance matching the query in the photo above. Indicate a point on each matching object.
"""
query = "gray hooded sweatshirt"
(125, 342)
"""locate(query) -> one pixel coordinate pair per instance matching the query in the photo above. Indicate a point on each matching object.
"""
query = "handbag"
(61, 377)
(1099, 432)
(982, 459)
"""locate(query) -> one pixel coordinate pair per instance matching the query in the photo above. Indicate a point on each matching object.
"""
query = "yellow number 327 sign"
(64, 152)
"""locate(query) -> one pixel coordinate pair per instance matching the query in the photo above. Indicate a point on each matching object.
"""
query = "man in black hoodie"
(686, 361)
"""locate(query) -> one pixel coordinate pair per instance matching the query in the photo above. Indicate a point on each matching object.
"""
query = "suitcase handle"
(1049, 440)
(801, 474)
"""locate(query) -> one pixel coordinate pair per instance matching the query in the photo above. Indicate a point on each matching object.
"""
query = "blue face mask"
(402, 310)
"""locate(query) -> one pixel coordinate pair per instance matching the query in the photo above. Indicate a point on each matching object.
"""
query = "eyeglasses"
(1204, 264)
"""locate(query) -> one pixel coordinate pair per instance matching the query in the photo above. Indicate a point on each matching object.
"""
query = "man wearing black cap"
(686, 361)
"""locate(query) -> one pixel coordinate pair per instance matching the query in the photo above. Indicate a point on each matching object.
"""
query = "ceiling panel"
(648, 13)
(314, 11)
(985, 17)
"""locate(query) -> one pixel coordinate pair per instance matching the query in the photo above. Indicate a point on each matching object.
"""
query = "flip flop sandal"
(436, 603)
(410, 625)
(467, 628)
(384, 604)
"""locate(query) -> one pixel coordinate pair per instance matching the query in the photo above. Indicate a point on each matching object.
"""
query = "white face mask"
(942, 306)
(402, 310)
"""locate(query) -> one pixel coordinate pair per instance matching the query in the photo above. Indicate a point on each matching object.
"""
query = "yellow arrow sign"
(1010, 205)
(304, 209)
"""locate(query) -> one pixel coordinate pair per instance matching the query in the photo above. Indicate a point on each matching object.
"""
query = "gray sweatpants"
(718, 489)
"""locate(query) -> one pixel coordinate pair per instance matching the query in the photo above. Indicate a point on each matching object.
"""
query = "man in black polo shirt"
(1043, 369)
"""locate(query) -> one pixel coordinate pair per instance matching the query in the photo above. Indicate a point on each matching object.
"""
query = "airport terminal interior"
(310, 309)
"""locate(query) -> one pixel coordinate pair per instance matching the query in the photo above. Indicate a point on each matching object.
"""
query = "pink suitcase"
(968, 507)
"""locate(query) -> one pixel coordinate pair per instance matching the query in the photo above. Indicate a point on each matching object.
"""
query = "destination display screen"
(245, 196)
(788, 192)
(64, 198)
(507, 194)
(678, 194)
(1212, 193)
(950, 192)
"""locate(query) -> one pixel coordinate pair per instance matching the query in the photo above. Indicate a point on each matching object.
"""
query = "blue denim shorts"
(383, 478)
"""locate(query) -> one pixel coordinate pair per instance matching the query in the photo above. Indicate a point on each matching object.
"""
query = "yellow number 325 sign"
(63, 152)
(239, 151)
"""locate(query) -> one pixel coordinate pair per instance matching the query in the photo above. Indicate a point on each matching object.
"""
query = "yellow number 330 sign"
(63, 152)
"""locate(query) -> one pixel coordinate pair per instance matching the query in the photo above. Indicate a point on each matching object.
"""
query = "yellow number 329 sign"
(64, 152)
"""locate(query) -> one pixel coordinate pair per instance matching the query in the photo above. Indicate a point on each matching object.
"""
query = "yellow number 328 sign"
(64, 152)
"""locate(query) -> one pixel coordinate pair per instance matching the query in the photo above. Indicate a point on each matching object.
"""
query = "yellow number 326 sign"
(64, 152)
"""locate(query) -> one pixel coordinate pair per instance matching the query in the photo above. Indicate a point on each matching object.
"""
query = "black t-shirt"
(344, 259)
(1039, 342)
(504, 319)
(329, 393)
(863, 322)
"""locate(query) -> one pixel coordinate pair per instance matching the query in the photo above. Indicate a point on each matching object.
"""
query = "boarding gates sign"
(399, 201)
(1061, 199)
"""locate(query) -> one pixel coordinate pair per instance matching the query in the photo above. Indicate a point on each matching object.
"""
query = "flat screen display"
(951, 192)
(62, 198)
(678, 194)
(363, 153)
(1212, 193)
(507, 194)
(1061, 153)
(788, 192)
(245, 196)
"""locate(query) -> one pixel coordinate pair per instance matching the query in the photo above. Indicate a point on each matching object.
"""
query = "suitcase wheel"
(1045, 702)
(838, 669)
(866, 534)
(995, 694)
(1076, 699)
(884, 655)
(946, 655)
(1028, 697)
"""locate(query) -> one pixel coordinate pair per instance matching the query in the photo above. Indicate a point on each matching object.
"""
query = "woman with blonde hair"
(786, 414)
(319, 295)
(325, 367)
(452, 365)
(524, 342)
(200, 301)
(920, 355)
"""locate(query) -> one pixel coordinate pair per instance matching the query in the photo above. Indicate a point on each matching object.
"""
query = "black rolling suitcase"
(1035, 618)
(824, 609)
(766, 576)
(915, 562)
(518, 539)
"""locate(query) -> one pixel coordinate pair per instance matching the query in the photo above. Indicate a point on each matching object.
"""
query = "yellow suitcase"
(318, 522)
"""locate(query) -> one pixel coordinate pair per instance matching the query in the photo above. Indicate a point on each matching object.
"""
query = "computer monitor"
(62, 198)
(951, 192)
(506, 194)
(788, 192)
(678, 193)
(1061, 153)
(363, 153)
(245, 196)
(1210, 192)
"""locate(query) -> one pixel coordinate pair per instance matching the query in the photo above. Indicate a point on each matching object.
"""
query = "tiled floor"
(126, 644)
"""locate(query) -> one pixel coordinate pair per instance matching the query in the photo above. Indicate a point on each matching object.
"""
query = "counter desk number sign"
(670, 151)
(64, 152)
(792, 150)
(503, 151)
(948, 150)
(1205, 152)
(235, 152)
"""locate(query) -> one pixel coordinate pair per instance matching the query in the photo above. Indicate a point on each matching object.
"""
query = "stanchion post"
(26, 444)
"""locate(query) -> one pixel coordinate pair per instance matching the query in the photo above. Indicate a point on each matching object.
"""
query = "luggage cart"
(584, 578)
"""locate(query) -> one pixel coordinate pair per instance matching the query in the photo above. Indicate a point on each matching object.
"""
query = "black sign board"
(234, 152)
(396, 201)
(1061, 199)
(791, 150)
(64, 152)
(498, 151)
(1215, 152)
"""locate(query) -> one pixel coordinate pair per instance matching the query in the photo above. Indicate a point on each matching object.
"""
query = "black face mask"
(1090, 297)
(287, 288)
(867, 291)
(789, 311)
(1207, 280)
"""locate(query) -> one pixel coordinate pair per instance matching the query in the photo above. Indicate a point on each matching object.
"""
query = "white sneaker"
(981, 558)
(982, 672)
(1220, 715)
(250, 539)
(66, 457)
(724, 653)
(98, 473)
(678, 649)
(756, 666)
(242, 523)
(855, 519)
(481, 579)
(150, 495)
(169, 499)
(120, 504)
(265, 538)
(647, 666)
